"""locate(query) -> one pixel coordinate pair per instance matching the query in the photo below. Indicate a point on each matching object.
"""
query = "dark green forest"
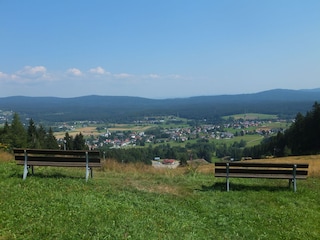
(281, 102)
(302, 138)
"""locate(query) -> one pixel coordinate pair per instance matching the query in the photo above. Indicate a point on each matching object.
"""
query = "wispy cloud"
(40, 76)
(98, 70)
(32, 72)
(27, 74)
(122, 75)
(3, 75)
(74, 72)
(152, 75)
(174, 76)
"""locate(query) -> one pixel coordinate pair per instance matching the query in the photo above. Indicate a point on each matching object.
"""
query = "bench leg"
(294, 180)
(25, 168)
(294, 183)
(227, 165)
(87, 167)
(25, 172)
(87, 173)
(227, 184)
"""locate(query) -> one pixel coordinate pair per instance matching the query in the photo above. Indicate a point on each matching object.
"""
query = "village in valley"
(140, 133)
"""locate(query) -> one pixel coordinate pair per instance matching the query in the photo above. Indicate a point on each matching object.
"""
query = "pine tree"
(18, 133)
(68, 142)
(5, 137)
(79, 142)
(42, 133)
(51, 141)
(32, 137)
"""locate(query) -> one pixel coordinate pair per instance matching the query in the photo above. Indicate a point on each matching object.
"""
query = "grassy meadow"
(252, 116)
(135, 201)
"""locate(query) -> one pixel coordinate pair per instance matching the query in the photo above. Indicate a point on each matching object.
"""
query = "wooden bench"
(57, 158)
(292, 172)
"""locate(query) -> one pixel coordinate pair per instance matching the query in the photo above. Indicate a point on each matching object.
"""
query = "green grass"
(252, 116)
(138, 203)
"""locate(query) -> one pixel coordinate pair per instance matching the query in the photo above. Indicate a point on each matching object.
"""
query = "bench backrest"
(48, 157)
(260, 170)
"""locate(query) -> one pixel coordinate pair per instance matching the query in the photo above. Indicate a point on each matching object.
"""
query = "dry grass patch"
(85, 131)
(5, 156)
(146, 178)
(312, 160)
(138, 167)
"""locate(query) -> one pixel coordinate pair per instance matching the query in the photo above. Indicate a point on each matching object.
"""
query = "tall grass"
(139, 202)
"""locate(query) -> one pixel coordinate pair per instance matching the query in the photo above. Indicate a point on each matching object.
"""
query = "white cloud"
(3, 75)
(74, 72)
(122, 75)
(31, 71)
(174, 76)
(98, 70)
(152, 75)
(27, 74)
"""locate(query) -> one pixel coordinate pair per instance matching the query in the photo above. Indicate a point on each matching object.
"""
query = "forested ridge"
(284, 103)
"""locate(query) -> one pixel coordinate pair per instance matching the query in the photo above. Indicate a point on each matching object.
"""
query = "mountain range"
(283, 102)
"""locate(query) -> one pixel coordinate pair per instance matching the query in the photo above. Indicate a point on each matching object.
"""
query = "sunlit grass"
(136, 201)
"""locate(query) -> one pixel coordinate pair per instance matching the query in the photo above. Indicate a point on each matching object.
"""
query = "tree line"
(302, 138)
(16, 135)
(201, 149)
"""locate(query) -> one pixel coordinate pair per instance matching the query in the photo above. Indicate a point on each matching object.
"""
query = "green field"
(252, 116)
(139, 202)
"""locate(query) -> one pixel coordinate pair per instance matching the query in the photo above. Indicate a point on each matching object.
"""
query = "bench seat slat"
(261, 171)
(259, 165)
(57, 159)
(56, 152)
(59, 164)
(271, 176)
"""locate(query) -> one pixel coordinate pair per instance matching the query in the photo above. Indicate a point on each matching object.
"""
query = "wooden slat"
(268, 165)
(262, 171)
(59, 164)
(56, 152)
(271, 176)
(57, 158)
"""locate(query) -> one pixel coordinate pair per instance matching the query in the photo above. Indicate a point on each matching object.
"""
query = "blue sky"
(157, 48)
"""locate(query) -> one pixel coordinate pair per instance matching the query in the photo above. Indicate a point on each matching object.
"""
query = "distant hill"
(283, 102)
